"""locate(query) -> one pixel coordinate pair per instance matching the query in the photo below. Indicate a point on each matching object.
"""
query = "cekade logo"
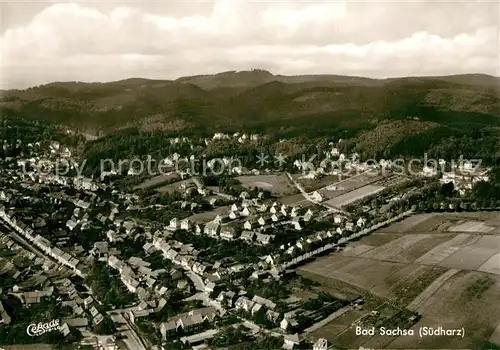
(35, 330)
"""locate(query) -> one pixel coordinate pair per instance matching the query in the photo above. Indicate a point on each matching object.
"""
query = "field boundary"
(431, 289)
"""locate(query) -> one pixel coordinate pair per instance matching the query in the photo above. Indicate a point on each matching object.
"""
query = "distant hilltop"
(257, 100)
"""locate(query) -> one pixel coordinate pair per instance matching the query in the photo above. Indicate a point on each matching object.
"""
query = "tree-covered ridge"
(257, 99)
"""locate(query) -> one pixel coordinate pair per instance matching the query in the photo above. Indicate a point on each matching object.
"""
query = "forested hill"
(377, 114)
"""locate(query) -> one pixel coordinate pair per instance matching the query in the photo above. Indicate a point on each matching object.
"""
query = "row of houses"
(250, 208)
(44, 245)
(257, 304)
(345, 227)
(188, 322)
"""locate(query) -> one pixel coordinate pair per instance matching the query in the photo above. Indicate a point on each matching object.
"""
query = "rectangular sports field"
(354, 195)
(276, 184)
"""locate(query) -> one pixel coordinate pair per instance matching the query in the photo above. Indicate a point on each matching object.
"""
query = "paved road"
(132, 341)
(307, 196)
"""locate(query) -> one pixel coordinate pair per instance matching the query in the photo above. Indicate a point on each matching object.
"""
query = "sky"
(101, 41)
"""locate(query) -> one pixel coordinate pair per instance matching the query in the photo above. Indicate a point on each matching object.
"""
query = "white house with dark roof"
(248, 225)
(321, 344)
(211, 228)
(185, 224)
(262, 208)
(308, 215)
(296, 224)
(338, 219)
(290, 341)
(247, 211)
(128, 226)
(263, 301)
(263, 238)
(171, 254)
(275, 218)
(197, 229)
(288, 320)
(244, 195)
(71, 224)
(283, 210)
(272, 316)
(174, 224)
(261, 221)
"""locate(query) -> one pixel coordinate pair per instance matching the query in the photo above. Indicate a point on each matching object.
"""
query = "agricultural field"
(157, 180)
(408, 223)
(277, 184)
(354, 195)
(451, 278)
(468, 300)
(471, 226)
(407, 248)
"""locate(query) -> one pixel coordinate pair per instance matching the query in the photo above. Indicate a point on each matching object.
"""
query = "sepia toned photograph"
(249, 175)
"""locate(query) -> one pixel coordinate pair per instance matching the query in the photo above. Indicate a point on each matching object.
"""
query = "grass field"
(408, 224)
(276, 184)
(471, 226)
(316, 184)
(464, 300)
(407, 248)
(472, 256)
(209, 215)
(354, 195)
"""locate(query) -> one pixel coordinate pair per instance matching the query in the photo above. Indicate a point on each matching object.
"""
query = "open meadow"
(276, 184)
(157, 181)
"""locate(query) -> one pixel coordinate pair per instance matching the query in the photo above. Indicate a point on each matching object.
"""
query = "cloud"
(73, 41)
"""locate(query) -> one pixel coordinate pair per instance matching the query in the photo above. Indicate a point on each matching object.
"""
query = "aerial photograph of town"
(240, 175)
